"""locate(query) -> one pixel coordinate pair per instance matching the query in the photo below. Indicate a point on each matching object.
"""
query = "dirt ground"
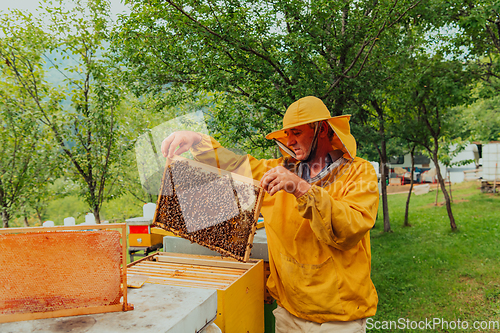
(393, 189)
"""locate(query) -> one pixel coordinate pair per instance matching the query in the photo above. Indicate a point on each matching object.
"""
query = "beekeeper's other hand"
(182, 139)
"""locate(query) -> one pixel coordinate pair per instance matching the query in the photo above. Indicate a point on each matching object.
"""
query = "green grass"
(427, 271)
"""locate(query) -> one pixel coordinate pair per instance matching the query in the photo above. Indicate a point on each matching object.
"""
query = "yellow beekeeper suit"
(319, 243)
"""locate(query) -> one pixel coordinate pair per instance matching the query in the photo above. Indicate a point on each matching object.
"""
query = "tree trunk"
(385, 204)
(383, 161)
(39, 214)
(5, 219)
(443, 186)
(152, 198)
(449, 182)
(412, 172)
(26, 223)
(96, 215)
(437, 193)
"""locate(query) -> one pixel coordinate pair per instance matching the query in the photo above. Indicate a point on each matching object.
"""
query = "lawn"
(426, 271)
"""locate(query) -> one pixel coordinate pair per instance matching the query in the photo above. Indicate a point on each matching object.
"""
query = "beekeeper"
(320, 205)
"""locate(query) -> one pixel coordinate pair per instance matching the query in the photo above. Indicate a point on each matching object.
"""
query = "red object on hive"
(138, 229)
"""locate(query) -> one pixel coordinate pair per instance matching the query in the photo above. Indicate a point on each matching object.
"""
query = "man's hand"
(279, 178)
(182, 139)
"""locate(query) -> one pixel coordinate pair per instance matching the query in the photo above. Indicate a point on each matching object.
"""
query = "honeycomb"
(209, 208)
(56, 270)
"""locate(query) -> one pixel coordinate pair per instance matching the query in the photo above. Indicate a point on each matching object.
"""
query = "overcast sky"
(31, 5)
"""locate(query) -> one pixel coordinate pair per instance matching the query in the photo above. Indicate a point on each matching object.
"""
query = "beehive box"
(212, 207)
(140, 233)
(240, 287)
(68, 271)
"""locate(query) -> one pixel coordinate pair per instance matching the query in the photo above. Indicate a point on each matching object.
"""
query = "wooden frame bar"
(122, 306)
(254, 226)
(194, 259)
(60, 313)
(64, 228)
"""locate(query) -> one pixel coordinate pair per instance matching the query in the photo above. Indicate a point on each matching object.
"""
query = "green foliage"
(379, 117)
(83, 113)
(262, 55)
(483, 119)
(427, 101)
(479, 37)
(151, 118)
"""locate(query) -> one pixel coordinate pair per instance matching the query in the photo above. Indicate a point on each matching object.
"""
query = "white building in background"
(491, 161)
(376, 166)
(471, 153)
(485, 157)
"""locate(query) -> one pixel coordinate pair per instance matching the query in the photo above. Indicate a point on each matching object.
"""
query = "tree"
(376, 109)
(410, 132)
(438, 85)
(412, 173)
(262, 55)
(423, 81)
(27, 163)
(373, 131)
(82, 114)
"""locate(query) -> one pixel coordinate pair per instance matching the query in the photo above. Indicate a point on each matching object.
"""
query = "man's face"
(299, 140)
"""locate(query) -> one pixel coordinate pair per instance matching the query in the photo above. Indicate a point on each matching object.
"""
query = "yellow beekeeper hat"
(311, 109)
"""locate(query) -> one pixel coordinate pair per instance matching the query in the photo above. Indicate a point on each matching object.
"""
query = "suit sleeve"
(341, 214)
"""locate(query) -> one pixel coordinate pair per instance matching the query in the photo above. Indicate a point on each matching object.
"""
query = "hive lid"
(141, 220)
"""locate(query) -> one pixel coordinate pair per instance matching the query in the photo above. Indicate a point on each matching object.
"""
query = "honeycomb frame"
(243, 227)
(41, 301)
